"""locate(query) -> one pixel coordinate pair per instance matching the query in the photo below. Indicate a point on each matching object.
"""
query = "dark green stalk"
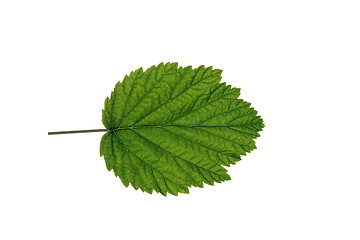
(78, 131)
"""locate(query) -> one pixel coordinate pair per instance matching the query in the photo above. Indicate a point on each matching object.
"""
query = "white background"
(297, 62)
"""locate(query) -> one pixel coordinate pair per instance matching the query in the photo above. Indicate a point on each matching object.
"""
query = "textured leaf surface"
(171, 128)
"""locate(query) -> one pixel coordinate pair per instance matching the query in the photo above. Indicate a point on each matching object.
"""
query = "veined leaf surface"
(170, 128)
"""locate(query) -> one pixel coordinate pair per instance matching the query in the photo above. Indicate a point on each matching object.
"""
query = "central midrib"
(169, 125)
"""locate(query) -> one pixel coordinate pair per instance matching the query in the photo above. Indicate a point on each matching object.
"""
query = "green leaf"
(170, 128)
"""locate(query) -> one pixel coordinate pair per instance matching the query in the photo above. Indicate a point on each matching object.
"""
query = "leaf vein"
(147, 92)
(128, 96)
(135, 155)
(172, 154)
(164, 104)
(200, 144)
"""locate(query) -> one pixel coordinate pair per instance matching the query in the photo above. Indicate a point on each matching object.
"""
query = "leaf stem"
(77, 131)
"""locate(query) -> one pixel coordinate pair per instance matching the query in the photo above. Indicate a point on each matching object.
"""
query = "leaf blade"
(172, 128)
